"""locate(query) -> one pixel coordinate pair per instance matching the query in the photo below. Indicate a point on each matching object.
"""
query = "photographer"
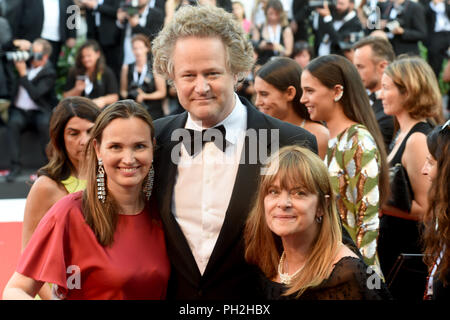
(139, 82)
(33, 101)
(332, 25)
(135, 17)
(91, 77)
(406, 26)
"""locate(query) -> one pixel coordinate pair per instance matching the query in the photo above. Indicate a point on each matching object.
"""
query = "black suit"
(412, 20)
(107, 34)
(437, 43)
(385, 122)
(301, 12)
(227, 275)
(336, 36)
(31, 21)
(154, 23)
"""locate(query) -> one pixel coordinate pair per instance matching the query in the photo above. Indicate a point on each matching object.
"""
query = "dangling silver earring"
(101, 189)
(149, 184)
(336, 99)
(319, 219)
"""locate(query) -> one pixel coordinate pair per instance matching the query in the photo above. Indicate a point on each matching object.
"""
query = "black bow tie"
(199, 138)
(373, 97)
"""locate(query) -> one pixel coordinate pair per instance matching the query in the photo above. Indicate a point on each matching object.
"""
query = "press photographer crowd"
(349, 100)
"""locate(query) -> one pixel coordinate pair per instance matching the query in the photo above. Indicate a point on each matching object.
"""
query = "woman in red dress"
(106, 242)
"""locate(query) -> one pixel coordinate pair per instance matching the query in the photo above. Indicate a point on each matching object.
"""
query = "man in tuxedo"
(372, 55)
(334, 27)
(204, 195)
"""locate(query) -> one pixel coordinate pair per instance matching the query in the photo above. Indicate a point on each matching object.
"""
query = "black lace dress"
(349, 280)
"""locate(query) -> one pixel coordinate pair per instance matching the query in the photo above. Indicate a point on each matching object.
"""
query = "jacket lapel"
(165, 174)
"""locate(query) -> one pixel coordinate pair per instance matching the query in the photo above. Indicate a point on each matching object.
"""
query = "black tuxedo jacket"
(227, 275)
(31, 20)
(41, 88)
(385, 122)
(107, 33)
(336, 36)
(412, 20)
(154, 24)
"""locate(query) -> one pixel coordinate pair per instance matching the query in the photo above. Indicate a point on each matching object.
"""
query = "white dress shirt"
(23, 99)
(204, 184)
(50, 28)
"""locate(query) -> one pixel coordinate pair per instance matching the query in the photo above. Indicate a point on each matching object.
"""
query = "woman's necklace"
(285, 278)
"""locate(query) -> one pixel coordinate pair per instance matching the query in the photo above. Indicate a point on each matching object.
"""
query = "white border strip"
(11, 210)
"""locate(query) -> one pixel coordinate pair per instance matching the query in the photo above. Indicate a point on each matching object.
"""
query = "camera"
(313, 4)
(350, 39)
(16, 55)
(131, 7)
(133, 90)
(392, 25)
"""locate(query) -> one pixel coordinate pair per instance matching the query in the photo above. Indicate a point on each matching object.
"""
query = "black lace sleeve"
(350, 280)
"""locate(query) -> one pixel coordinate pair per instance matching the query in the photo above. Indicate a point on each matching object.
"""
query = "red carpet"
(10, 244)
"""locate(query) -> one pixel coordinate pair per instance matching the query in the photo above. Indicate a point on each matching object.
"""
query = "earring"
(336, 99)
(319, 219)
(149, 184)
(101, 190)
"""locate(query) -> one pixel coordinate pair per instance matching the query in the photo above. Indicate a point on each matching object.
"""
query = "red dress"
(64, 251)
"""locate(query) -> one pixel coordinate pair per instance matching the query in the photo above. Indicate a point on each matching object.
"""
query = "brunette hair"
(332, 70)
(80, 69)
(282, 72)
(102, 217)
(294, 166)
(436, 236)
(59, 166)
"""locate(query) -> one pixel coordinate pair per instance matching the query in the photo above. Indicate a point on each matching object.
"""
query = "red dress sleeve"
(44, 258)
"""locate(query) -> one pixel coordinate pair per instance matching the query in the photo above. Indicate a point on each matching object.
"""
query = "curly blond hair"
(203, 22)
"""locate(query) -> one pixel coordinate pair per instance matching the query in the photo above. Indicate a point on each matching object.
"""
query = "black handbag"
(401, 192)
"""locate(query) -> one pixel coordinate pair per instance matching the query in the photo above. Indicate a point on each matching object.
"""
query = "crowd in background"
(389, 57)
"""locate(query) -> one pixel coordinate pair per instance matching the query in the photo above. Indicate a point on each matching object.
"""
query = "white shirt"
(23, 99)
(50, 28)
(442, 22)
(204, 184)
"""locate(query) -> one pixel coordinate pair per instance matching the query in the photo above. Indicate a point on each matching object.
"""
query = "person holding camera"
(139, 82)
(34, 98)
(91, 77)
(405, 26)
(333, 26)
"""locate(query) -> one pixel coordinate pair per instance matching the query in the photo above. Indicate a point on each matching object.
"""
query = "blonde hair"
(413, 76)
(102, 217)
(203, 22)
(294, 165)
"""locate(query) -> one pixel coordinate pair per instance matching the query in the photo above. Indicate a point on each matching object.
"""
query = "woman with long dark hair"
(91, 77)
(333, 92)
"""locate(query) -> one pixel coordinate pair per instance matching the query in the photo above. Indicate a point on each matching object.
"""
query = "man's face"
(204, 85)
(37, 48)
(342, 5)
(367, 68)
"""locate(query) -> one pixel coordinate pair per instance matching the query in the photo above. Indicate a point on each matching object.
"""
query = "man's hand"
(90, 4)
(21, 68)
(325, 11)
(133, 20)
(70, 42)
(80, 85)
(22, 44)
(398, 30)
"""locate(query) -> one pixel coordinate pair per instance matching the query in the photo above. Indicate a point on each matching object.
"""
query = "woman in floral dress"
(356, 158)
